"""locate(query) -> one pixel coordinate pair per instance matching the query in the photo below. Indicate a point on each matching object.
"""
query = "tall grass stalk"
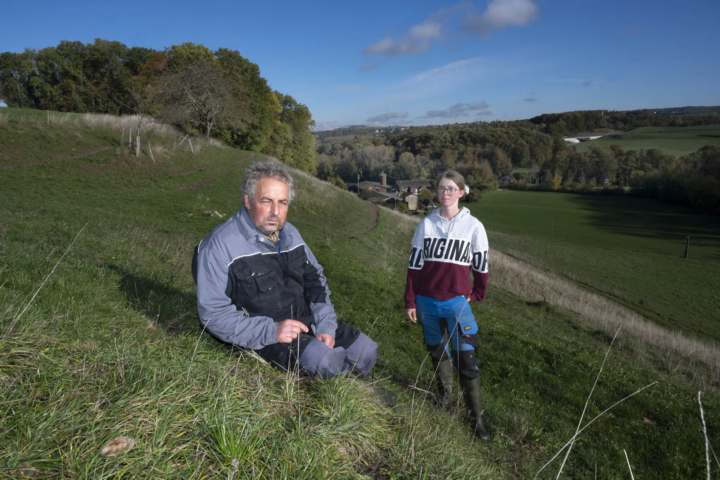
(591, 422)
(17, 318)
(707, 441)
(567, 454)
(630, 468)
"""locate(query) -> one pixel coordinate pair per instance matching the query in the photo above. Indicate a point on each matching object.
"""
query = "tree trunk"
(137, 143)
(150, 150)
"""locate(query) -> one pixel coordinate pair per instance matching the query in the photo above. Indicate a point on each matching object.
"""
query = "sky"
(422, 62)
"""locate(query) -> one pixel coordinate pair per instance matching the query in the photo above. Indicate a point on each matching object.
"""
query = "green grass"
(627, 249)
(676, 141)
(111, 346)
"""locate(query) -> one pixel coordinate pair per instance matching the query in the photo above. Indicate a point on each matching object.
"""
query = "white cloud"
(386, 118)
(477, 106)
(501, 14)
(447, 73)
(417, 40)
(459, 110)
(530, 99)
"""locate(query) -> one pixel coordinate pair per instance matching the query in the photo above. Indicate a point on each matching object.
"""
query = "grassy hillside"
(677, 141)
(99, 338)
(627, 249)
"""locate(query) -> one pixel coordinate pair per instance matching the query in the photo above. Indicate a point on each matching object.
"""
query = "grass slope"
(111, 346)
(627, 249)
(677, 141)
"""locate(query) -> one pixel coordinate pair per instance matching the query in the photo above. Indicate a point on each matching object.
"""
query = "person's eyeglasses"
(449, 190)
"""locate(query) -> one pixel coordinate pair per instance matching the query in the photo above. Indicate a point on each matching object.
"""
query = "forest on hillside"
(589, 121)
(520, 155)
(214, 93)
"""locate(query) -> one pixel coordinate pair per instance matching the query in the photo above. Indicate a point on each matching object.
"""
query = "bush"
(403, 207)
(426, 193)
(472, 197)
(338, 182)
(490, 186)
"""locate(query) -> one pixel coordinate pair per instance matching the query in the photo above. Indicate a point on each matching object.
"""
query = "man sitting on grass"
(260, 287)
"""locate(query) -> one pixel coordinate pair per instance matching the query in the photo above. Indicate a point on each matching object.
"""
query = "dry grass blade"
(628, 462)
(567, 454)
(117, 446)
(707, 441)
(16, 319)
(591, 422)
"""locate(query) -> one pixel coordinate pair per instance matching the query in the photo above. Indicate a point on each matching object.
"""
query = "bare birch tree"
(203, 97)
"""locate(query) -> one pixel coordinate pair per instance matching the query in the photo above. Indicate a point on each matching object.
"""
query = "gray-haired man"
(260, 287)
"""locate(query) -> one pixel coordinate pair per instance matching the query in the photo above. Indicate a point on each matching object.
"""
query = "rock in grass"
(116, 446)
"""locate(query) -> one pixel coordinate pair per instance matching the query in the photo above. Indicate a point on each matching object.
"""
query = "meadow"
(676, 141)
(627, 249)
(99, 338)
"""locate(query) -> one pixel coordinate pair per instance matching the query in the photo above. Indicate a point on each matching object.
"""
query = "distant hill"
(346, 133)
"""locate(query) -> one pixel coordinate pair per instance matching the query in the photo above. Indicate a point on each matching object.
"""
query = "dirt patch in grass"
(62, 158)
(208, 181)
(374, 211)
(205, 182)
(185, 174)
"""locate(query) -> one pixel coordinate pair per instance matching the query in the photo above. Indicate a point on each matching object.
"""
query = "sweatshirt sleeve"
(417, 260)
(480, 251)
(218, 315)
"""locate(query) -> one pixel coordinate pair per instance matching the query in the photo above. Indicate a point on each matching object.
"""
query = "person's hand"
(327, 339)
(288, 330)
(411, 314)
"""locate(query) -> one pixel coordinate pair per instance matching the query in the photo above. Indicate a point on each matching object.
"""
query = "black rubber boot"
(471, 392)
(444, 377)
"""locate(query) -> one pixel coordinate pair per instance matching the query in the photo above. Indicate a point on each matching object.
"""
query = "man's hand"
(327, 339)
(411, 314)
(288, 330)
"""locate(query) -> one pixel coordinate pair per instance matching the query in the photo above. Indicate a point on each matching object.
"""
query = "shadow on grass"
(170, 308)
(650, 219)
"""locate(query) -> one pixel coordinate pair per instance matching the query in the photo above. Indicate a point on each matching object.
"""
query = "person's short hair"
(266, 169)
(455, 177)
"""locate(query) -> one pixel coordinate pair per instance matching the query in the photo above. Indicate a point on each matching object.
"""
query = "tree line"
(482, 152)
(214, 93)
(573, 123)
(519, 155)
(692, 180)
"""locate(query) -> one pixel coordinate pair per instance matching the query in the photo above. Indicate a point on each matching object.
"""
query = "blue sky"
(423, 62)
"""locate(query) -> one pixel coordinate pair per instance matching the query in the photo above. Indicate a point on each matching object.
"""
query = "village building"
(412, 186)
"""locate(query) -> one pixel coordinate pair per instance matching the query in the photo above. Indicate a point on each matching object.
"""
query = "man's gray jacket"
(245, 284)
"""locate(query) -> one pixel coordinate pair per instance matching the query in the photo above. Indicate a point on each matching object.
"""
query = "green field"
(677, 141)
(111, 345)
(628, 249)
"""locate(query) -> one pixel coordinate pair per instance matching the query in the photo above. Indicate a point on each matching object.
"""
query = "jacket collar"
(251, 233)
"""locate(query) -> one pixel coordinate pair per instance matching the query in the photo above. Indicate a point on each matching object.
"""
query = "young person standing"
(448, 245)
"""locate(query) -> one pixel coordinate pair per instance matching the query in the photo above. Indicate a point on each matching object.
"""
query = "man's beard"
(266, 231)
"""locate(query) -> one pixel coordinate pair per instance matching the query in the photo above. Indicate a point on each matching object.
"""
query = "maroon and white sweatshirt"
(444, 252)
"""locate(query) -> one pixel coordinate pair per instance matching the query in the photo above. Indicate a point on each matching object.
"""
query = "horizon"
(423, 63)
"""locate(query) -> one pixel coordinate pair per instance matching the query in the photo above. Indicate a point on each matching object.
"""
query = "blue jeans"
(450, 321)
(458, 326)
